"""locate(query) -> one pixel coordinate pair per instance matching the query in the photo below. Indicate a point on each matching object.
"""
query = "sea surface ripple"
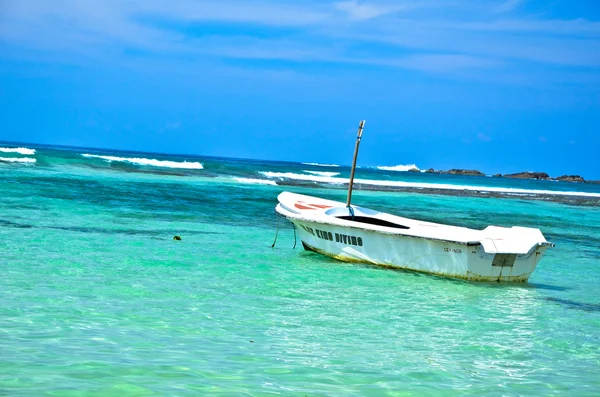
(98, 299)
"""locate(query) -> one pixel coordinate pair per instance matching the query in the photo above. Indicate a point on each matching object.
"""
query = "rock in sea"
(464, 172)
(570, 178)
(529, 175)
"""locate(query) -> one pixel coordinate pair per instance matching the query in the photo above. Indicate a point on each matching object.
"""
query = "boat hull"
(442, 258)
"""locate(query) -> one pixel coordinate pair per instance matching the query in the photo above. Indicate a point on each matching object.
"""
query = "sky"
(500, 86)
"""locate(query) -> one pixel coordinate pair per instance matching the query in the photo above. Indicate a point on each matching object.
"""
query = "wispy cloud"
(508, 6)
(483, 137)
(574, 28)
(362, 10)
(432, 37)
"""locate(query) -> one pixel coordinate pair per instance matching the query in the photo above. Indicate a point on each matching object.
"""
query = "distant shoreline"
(540, 176)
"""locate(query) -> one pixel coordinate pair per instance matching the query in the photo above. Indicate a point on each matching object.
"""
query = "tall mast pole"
(359, 136)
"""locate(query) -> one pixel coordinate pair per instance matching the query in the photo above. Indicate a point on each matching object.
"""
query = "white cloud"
(456, 38)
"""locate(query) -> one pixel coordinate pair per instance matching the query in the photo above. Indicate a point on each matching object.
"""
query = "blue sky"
(501, 86)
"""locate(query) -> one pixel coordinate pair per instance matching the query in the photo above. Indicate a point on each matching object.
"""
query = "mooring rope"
(294, 227)
(276, 232)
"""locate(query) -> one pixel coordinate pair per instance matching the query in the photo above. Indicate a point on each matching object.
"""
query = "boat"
(353, 233)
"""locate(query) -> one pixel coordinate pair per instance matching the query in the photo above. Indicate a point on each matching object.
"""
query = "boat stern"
(506, 254)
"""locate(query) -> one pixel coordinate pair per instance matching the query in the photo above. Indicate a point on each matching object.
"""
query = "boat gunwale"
(319, 215)
(387, 232)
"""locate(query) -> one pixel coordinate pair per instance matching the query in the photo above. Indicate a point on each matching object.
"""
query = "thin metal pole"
(359, 136)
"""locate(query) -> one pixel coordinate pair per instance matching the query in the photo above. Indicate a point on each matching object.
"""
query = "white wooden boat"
(356, 234)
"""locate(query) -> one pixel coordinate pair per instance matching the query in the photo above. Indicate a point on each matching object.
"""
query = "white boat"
(356, 234)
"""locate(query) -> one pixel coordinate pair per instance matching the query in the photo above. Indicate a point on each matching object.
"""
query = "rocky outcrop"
(464, 172)
(414, 170)
(529, 175)
(570, 178)
(455, 171)
(521, 175)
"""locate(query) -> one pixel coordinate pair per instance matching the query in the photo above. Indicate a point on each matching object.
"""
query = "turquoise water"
(98, 299)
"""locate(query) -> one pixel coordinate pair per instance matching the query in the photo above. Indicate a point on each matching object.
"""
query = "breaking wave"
(21, 150)
(321, 165)
(422, 185)
(151, 162)
(321, 173)
(400, 167)
(17, 160)
(256, 181)
(303, 177)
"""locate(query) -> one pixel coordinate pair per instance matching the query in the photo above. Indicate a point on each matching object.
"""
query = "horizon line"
(421, 170)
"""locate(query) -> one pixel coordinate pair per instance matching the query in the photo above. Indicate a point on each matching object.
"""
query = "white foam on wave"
(304, 177)
(321, 165)
(421, 185)
(322, 173)
(17, 160)
(151, 162)
(400, 167)
(256, 181)
(21, 150)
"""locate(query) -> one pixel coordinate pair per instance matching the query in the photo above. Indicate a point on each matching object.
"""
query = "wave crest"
(17, 160)
(321, 165)
(256, 181)
(21, 150)
(322, 173)
(303, 177)
(151, 162)
(423, 185)
(400, 167)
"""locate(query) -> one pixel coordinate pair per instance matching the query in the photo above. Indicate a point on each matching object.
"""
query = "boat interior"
(372, 221)
(363, 215)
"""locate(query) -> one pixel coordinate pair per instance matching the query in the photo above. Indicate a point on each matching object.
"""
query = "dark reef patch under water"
(483, 193)
(97, 299)
(571, 304)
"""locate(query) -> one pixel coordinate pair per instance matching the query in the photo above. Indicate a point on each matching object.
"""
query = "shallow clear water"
(98, 299)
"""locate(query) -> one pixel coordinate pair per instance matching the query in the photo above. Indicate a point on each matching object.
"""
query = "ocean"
(97, 299)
